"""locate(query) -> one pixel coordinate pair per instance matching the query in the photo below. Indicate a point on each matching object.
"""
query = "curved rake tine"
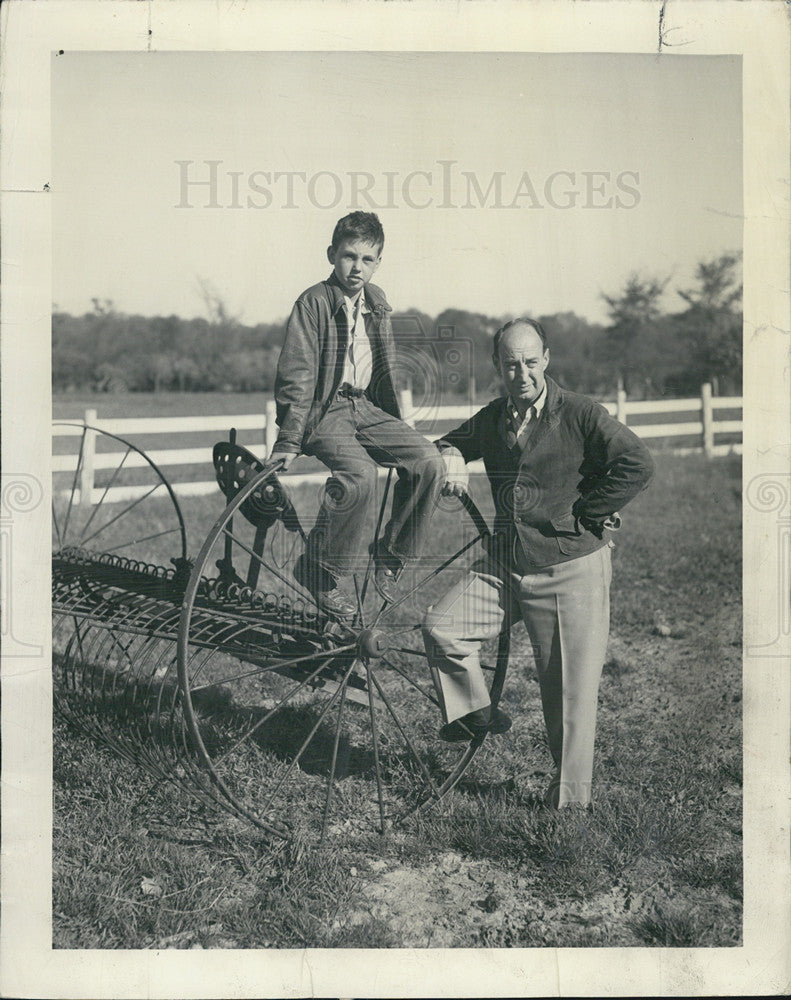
(212, 642)
(331, 781)
(375, 546)
(211, 783)
(209, 640)
(404, 735)
(104, 527)
(169, 756)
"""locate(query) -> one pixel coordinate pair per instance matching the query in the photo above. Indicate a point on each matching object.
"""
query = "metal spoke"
(114, 476)
(331, 782)
(429, 576)
(138, 541)
(277, 708)
(84, 541)
(407, 630)
(284, 579)
(205, 634)
(404, 735)
(405, 675)
(360, 617)
(375, 742)
(375, 544)
(74, 482)
(269, 667)
(309, 737)
(409, 651)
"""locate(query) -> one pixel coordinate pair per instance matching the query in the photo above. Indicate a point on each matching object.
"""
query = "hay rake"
(220, 673)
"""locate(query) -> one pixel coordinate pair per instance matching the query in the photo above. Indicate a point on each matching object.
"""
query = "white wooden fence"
(705, 427)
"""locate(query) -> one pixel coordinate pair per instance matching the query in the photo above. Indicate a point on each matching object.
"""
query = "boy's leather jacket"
(310, 367)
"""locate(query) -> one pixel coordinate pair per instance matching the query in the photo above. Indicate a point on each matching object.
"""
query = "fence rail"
(705, 426)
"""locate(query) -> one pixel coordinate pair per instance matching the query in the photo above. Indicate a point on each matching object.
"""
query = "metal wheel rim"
(230, 799)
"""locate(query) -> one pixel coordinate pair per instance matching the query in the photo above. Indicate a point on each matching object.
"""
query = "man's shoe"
(324, 588)
(470, 726)
(552, 794)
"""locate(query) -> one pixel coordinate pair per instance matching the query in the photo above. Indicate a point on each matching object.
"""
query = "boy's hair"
(521, 321)
(359, 226)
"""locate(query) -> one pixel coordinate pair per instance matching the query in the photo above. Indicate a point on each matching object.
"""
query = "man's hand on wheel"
(456, 476)
(286, 457)
(451, 488)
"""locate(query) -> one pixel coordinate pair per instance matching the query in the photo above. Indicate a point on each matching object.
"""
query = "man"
(560, 468)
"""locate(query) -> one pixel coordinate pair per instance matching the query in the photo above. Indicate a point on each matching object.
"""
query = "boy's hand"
(286, 457)
(456, 476)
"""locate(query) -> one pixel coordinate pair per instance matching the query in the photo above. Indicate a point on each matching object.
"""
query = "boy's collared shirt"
(358, 365)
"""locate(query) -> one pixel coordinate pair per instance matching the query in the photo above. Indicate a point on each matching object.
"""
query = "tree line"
(642, 349)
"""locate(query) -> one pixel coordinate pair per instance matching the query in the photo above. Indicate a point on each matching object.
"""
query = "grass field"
(138, 864)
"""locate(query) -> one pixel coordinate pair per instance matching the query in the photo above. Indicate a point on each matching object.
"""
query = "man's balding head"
(521, 357)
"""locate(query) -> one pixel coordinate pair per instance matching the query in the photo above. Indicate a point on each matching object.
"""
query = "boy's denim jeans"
(352, 439)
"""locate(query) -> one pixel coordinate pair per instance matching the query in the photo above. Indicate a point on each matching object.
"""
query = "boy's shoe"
(474, 724)
(324, 588)
(386, 575)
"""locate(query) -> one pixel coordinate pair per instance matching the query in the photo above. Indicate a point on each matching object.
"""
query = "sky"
(507, 183)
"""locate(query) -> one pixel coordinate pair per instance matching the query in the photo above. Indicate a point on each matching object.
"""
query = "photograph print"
(397, 433)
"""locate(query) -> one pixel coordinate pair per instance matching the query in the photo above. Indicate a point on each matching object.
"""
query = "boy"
(336, 400)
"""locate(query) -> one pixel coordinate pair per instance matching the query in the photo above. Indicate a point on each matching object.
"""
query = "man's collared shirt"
(519, 430)
(358, 366)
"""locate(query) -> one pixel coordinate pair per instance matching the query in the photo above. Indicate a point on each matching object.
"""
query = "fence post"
(270, 431)
(707, 412)
(621, 406)
(406, 404)
(88, 453)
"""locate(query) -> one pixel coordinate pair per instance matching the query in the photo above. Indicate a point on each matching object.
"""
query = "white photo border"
(31, 34)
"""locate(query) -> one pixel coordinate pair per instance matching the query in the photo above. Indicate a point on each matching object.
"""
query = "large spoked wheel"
(300, 721)
(119, 568)
(132, 512)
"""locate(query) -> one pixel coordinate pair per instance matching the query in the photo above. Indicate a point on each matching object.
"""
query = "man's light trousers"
(566, 610)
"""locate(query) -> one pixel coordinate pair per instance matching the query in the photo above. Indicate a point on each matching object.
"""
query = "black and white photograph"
(412, 403)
